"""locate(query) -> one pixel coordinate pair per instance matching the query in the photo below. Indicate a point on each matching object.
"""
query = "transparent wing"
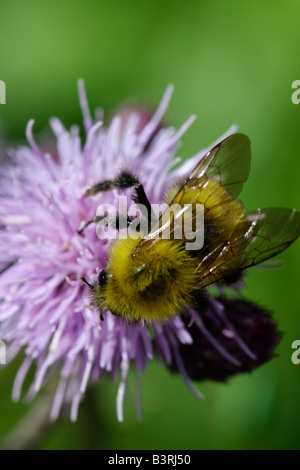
(272, 230)
(217, 178)
(228, 163)
(276, 229)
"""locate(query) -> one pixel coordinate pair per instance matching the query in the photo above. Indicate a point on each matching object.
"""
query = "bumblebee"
(152, 278)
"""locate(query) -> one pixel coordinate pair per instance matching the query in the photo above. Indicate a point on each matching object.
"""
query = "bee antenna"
(86, 282)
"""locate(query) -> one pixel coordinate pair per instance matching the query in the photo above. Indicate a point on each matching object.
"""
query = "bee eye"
(102, 278)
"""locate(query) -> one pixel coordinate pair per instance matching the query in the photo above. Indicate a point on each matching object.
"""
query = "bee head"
(102, 278)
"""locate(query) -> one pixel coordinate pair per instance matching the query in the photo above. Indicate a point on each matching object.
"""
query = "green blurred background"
(230, 62)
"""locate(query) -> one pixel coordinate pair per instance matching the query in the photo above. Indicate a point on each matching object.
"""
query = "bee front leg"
(125, 180)
(112, 223)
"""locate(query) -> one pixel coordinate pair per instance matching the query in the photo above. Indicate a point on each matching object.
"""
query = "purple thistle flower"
(45, 308)
(217, 330)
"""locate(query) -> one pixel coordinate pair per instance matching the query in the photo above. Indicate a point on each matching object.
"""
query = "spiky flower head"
(45, 309)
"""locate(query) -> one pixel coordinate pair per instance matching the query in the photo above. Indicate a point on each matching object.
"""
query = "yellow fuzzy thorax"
(152, 282)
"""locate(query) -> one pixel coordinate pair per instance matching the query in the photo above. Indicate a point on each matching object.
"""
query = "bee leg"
(86, 282)
(95, 220)
(128, 221)
(112, 223)
(91, 287)
(141, 198)
(123, 181)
